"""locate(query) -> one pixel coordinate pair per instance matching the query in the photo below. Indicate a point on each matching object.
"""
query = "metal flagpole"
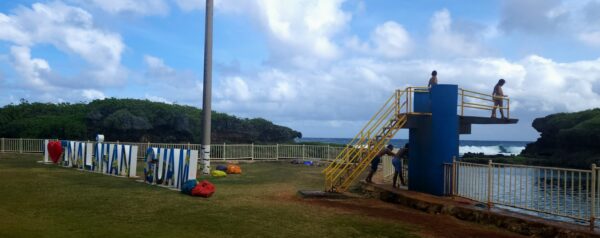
(206, 100)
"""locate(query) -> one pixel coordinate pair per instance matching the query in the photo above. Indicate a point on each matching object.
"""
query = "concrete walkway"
(467, 210)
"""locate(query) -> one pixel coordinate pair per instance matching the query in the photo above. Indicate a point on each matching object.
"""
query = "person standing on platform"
(397, 163)
(498, 97)
(433, 80)
(375, 162)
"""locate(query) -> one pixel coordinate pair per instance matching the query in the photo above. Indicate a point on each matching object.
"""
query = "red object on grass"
(55, 150)
(203, 189)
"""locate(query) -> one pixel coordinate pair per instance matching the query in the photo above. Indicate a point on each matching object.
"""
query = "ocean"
(473, 146)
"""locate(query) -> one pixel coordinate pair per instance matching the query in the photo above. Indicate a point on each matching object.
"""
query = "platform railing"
(474, 100)
(388, 169)
(218, 151)
(562, 192)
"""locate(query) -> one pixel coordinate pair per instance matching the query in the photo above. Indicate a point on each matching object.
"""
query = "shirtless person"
(432, 80)
(397, 163)
(498, 96)
(375, 162)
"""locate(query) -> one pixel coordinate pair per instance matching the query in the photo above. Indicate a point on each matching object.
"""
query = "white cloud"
(299, 32)
(165, 82)
(590, 38)
(71, 30)
(446, 41)
(157, 99)
(389, 40)
(304, 27)
(92, 94)
(138, 7)
(533, 16)
(219, 5)
(33, 71)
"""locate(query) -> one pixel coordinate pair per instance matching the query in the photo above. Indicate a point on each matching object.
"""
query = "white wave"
(491, 150)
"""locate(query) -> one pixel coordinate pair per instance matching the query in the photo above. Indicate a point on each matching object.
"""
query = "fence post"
(593, 205)
(303, 151)
(508, 108)
(454, 182)
(489, 185)
(21, 146)
(327, 156)
(253, 151)
(462, 103)
(2, 144)
(277, 151)
(224, 146)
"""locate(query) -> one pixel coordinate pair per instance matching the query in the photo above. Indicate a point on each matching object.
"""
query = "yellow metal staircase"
(376, 134)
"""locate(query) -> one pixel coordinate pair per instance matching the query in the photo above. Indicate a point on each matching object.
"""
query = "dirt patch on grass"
(429, 225)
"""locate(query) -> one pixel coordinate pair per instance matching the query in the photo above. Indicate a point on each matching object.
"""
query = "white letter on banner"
(177, 161)
(80, 155)
(172, 167)
(88, 154)
(162, 153)
(150, 168)
(193, 163)
(111, 152)
(206, 159)
(124, 160)
(46, 152)
(133, 155)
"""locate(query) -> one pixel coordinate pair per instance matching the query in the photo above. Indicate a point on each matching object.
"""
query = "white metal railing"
(388, 169)
(217, 151)
(563, 192)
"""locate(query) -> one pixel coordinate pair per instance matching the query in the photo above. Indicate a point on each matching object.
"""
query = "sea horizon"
(487, 147)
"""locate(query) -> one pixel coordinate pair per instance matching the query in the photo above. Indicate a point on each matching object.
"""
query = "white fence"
(217, 151)
(561, 192)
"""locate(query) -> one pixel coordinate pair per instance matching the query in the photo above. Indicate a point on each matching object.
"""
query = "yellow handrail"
(466, 95)
(382, 126)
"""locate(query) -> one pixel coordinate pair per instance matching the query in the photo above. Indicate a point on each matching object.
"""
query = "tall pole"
(206, 100)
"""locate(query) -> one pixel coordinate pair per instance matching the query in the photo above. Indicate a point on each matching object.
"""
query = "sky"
(322, 67)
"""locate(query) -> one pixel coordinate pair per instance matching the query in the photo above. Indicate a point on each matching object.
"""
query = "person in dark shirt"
(375, 162)
(433, 80)
(397, 163)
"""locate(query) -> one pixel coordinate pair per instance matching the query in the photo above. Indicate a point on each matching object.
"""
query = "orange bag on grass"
(234, 169)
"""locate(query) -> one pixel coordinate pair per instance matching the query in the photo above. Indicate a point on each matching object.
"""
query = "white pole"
(593, 210)
(206, 97)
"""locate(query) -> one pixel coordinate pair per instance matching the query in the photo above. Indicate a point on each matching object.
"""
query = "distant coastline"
(465, 146)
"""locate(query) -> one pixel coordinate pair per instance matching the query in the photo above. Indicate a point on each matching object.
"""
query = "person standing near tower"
(433, 80)
(498, 97)
(375, 162)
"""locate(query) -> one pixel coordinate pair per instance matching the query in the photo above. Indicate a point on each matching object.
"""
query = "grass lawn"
(49, 201)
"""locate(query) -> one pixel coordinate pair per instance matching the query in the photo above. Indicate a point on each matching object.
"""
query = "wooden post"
(277, 152)
(252, 151)
(224, 146)
(2, 144)
(21, 145)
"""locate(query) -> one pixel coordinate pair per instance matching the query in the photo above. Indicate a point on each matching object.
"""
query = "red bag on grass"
(203, 189)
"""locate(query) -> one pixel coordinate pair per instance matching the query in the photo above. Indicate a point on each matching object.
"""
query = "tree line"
(133, 120)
